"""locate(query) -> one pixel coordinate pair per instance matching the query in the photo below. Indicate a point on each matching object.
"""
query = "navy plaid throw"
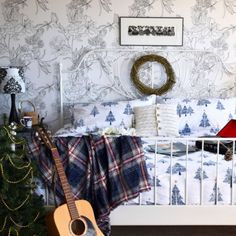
(106, 171)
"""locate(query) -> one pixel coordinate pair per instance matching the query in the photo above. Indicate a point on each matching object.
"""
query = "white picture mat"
(158, 40)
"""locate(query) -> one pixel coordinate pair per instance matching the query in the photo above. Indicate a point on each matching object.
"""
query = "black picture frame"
(151, 31)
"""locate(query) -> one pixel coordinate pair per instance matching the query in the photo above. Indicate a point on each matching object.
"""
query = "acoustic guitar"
(75, 217)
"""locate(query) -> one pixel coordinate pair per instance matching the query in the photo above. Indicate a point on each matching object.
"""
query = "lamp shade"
(12, 80)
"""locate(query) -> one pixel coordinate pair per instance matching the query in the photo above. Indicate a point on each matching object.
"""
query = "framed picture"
(151, 31)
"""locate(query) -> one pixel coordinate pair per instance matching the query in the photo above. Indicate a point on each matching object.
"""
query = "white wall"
(41, 33)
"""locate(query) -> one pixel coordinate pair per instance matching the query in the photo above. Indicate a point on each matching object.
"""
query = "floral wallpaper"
(45, 35)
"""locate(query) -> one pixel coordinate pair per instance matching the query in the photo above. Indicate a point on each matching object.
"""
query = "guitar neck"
(65, 185)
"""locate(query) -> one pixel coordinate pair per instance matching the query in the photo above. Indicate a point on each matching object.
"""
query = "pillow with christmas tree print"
(97, 116)
(203, 117)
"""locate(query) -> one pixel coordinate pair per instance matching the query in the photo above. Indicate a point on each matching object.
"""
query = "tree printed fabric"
(204, 117)
(215, 190)
(95, 116)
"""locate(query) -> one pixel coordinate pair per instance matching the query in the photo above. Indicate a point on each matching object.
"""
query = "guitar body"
(59, 222)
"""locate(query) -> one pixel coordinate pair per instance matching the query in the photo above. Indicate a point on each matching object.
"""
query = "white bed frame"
(163, 214)
(173, 215)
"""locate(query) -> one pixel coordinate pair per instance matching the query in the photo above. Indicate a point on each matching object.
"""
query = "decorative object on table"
(29, 111)
(76, 217)
(21, 209)
(26, 121)
(12, 82)
(146, 89)
(152, 31)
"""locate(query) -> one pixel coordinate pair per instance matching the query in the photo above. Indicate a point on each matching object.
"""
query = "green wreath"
(144, 88)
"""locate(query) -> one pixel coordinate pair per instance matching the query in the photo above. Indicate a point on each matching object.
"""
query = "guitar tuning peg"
(36, 134)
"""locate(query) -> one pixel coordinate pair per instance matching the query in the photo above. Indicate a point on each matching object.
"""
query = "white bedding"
(179, 177)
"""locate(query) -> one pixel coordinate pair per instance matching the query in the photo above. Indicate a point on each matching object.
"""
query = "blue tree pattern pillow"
(204, 117)
(96, 116)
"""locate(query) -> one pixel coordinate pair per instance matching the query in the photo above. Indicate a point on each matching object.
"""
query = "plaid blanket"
(106, 171)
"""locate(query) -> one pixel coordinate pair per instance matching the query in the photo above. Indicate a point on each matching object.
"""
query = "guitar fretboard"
(65, 185)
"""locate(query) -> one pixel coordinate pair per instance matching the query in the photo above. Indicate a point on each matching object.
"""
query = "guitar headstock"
(46, 136)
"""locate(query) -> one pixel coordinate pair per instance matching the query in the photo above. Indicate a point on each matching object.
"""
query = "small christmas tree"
(200, 174)
(21, 209)
(185, 111)
(190, 110)
(128, 110)
(122, 124)
(176, 169)
(204, 121)
(186, 130)
(203, 102)
(219, 106)
(110, 117)
(228, 177)
(177, 199)
(94, 111)
(216, 195)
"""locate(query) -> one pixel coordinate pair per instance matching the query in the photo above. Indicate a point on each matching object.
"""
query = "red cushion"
(229, 130)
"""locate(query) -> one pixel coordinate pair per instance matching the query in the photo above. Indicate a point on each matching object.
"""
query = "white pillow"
(167, 120)
(97, 116)
(203, 117)
(145, 120)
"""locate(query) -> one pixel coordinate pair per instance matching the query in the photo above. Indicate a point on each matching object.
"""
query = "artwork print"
(153, 31)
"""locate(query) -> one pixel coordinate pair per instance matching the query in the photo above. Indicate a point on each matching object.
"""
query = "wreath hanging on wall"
(149, 90)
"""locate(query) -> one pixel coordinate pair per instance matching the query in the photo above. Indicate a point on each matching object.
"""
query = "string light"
(4, 224)
(11, 230)
(16, 208)
(25, 226)
(16, 181)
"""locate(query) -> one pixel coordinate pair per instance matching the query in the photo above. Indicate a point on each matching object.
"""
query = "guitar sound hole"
(78, 227)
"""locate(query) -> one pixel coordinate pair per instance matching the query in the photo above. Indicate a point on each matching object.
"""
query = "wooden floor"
(174, 231)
